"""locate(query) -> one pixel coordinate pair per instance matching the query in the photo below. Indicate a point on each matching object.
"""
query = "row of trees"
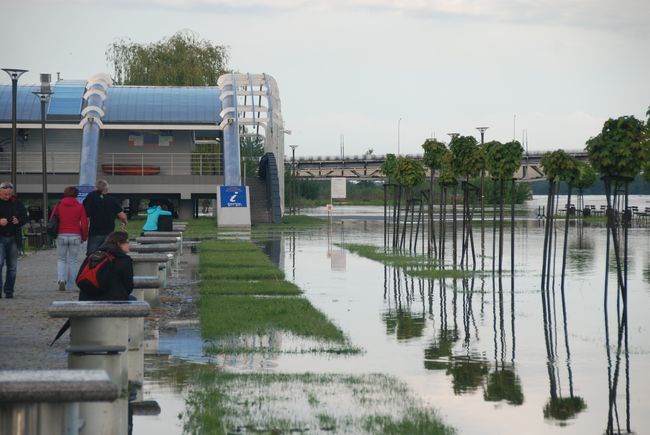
(453, 166)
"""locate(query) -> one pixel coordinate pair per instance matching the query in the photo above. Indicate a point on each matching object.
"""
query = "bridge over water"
(366, 167)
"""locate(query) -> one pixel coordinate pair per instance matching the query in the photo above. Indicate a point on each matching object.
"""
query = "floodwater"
(481, 351)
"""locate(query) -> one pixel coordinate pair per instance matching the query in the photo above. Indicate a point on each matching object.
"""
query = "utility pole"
(292, 208)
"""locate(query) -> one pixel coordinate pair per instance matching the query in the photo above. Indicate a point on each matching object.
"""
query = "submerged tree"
(183, 59)
(434, 151)
(501, 162)
(618, 153)
(406, 173)
(558, 166)
(467, 161)
(447, 179)
(586, 178)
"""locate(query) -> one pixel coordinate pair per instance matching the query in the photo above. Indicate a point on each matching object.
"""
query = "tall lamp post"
(44, 95)
(14, 74)
(293, 179)
(482, 131)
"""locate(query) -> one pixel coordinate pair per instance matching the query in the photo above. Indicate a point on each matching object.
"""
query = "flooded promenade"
(483, 353)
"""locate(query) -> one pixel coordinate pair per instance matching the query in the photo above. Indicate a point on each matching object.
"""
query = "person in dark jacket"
(71, 232)
(120, 282)
(102, 209)
(12, 217)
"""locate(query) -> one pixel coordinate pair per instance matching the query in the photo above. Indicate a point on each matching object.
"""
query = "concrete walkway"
(26, 330)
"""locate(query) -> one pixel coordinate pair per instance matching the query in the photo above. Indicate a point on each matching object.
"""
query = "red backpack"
(95, 272)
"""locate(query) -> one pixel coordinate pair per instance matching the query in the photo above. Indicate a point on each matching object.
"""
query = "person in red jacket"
(71, 233)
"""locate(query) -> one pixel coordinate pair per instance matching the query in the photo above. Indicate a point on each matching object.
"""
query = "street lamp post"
(482, 131)
(14, 74)
(293, 179)
(44, 95)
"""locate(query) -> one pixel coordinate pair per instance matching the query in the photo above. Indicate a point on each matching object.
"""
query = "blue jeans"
(67, 251)
(9, 255)
(94, 242)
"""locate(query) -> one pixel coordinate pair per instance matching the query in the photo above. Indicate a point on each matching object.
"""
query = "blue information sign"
(84, 190)
(233, 196)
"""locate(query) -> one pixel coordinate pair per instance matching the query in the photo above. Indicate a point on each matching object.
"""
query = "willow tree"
(502, 162)
(183, 59)
(434, 150)
(618, 153)
(467, 161)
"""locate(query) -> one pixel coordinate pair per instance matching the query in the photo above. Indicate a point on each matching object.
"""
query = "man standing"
(12, 217)
(102, 210)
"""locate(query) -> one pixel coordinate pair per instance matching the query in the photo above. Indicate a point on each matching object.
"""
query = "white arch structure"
(251, 108)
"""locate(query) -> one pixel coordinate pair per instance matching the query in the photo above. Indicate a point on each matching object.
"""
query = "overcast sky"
(354, 67)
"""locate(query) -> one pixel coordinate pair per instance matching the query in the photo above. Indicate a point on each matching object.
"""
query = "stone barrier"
(99, 337)
(47, 402)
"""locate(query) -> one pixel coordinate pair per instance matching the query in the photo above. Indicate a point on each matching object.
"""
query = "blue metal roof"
(123, 105)
(162, 105)
(28, 105)
(67, 99)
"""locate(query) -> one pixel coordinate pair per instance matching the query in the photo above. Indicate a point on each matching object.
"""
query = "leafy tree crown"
(559, 166)
(502, 160)
(620, 149)
(434, 150)
(182, 59)
(466, 156)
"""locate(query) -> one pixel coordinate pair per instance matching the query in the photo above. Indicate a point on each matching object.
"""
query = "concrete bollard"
(149, 240)
(151, 288)
(99, 337)
(47, 402)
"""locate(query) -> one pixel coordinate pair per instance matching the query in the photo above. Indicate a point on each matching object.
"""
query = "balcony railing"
(145, 164)
(32, 163)
(142, 164)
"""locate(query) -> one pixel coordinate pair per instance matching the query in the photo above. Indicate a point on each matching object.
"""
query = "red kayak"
(130, 169)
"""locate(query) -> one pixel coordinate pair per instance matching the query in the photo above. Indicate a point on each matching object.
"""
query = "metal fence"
(143, 164)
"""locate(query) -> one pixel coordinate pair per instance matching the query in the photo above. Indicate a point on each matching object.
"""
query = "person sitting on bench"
(153, 213)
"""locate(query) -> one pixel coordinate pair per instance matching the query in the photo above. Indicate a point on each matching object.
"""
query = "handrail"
(143, 164)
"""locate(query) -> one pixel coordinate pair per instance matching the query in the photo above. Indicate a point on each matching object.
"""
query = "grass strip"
(242, 287)
(244, 294)
(228, 316)
(390, 258)
(240, 273)
(414, 265)
(235, 259)
(220, 403)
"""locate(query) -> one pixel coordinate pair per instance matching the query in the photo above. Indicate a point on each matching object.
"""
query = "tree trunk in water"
(454, 225)
(501, 192)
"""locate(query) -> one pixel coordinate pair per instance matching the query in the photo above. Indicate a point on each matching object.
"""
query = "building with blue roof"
(146, 141)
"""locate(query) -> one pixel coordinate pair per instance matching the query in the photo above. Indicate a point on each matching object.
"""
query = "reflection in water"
(558, 407)
(618, 222)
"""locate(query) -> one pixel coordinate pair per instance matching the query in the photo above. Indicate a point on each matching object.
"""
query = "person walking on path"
(153, 213)
(12, 217)
(71, 233)
(117, 285)
(101, 209)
